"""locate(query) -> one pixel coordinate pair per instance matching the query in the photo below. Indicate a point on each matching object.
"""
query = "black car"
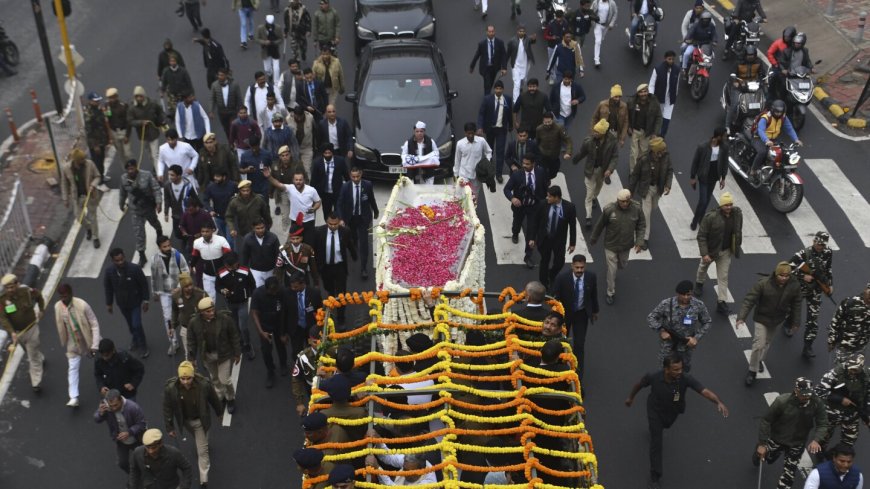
(390, 19)
(400, 82)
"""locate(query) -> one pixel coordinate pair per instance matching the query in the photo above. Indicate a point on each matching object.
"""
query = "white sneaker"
(74, 402)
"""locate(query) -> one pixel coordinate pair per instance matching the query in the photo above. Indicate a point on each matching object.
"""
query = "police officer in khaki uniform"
(184, 303)
(22, 323)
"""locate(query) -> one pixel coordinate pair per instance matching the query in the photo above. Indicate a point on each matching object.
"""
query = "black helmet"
(777, 108)
(751, 51)
(800, 38)
(706, 16)
(788, 33)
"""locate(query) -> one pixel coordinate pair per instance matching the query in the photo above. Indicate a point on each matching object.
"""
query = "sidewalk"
(832, 40)
(33, 161)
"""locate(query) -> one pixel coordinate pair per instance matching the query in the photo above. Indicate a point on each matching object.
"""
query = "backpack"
(754, 129)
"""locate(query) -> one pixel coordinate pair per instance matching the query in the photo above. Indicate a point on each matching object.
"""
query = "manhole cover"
(43, 164)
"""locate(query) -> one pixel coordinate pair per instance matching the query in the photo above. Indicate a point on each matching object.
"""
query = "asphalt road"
(44, 444)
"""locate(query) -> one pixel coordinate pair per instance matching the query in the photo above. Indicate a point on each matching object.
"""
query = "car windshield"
(402, 92)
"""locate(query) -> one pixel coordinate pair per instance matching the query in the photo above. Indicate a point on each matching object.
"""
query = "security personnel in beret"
(850, 328)
(215, 337)
(341, 477)
(22, 323)
(680, 322)
(311, 464)
(318, 431)
(813, 269)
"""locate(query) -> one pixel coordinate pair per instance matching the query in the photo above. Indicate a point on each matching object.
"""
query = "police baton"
(760, 466)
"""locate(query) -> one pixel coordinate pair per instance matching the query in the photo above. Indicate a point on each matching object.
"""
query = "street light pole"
(46, 54)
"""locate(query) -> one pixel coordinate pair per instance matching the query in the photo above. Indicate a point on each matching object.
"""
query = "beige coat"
(68, 181)
(335, 72)
(79, 313)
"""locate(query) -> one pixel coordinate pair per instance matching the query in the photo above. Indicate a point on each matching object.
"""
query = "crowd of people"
(222, 272)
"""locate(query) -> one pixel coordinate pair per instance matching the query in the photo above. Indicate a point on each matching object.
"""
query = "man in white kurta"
(469, 151)
(79, 333)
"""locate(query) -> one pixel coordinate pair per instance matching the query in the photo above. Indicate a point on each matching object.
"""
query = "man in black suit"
(493, 59)
(535, 310)
(495, 121)
(577, 289)
(328, 173)
(356, 208)
(335, 130)
(518, 148)
(526, 189)
(333, 248)
(553, 225)
(311, 94)
(301, 314)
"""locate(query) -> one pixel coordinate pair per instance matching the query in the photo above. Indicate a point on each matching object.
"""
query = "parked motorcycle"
(547, 10)
(799, 86)
(8, 49)
(778, 175)
(645, 37)
(698, 74)
(749, 34)
(750, 101)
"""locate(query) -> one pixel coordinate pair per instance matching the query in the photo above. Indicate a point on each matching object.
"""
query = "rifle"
(826, 288)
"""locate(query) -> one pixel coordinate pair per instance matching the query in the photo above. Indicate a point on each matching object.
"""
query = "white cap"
(420, 125)
(270, 19)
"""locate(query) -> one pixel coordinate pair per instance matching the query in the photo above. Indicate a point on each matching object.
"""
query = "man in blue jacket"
(127, 435)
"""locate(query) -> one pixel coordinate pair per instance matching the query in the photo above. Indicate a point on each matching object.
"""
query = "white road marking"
(770, 397)
(740, 331)
(845, 194)
(755, 238)
(759, 375)
(678, 214)
(608, 195)
(580, 247)
(806, 224)
(500, 219)
(228, 418)
(89, 261)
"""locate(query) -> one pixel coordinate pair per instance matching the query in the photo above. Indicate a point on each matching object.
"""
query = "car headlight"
(364, 33)
(445, 149)
(363, 152)
(427, 30)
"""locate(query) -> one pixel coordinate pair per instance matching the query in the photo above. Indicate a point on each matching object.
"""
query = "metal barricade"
(15, 229)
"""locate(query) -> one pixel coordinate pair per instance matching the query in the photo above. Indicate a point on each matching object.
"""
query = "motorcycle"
(799, 86)
(698, 74)
(749, 34)
(778, 175)
(8, 49)
(547, 10)
(645, 37)
(750, 101)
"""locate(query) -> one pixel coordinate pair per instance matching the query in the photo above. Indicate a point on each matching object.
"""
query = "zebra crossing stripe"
(607, 196)
(500, 219)
(844, 192)
(759, 375)
(580, 247)
(678, 214)
(88, 262)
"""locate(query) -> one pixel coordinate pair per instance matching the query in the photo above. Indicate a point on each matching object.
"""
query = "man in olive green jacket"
(625, 227)
(774, 298)
(601, 153)
(786, 425)
(719, 237)
(216, 337)
(326, 24)
(651, 178)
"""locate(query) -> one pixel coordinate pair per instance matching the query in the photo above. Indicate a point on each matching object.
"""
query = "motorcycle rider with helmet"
(768, 127)
(780, 44)
(703, 32)
(794, 55)
(744, 11)
(748, 69)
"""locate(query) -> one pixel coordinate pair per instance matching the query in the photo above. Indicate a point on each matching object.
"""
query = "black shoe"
(595, 204)
(515, 239)
(251, 354)
(788, 331)
(607, 180)
(698, 291)
(513, 15)
(88, 235)
(244, 45)
(97, 243)
(277, 211)
(529, 262)
(761, 367)
(750, 378)
(597, 66)
(142, 259)
(231, 406)
(37, 388)
(653, 484)
(145, 353)
(499, 179)
(808, 350)
(693, 226)
(722, 308)
(270, 380)
(284, 371)
(609, 299)
(364, 274)
(483, 16)
(519, 12)
(588, 223)
(645, 245)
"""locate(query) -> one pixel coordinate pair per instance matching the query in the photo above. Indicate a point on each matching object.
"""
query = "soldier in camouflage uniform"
(846, 390)
(680, 321)
(818, 258)
(304, 371)
(97, 131)
(850, 328)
